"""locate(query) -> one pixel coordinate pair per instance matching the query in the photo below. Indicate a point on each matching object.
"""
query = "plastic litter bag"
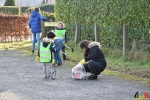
(78, 72)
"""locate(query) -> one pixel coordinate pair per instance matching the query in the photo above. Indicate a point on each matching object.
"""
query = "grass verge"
(137, 71)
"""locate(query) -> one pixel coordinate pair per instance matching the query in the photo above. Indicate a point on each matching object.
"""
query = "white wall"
(2, 2)
(28, 3)
(51, 1)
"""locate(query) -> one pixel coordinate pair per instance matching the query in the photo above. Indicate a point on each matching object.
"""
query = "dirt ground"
(21, 78)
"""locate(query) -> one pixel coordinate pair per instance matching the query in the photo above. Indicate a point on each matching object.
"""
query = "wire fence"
(112, 37)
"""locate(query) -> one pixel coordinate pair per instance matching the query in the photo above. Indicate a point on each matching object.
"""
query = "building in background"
(28, 3)
(2, 2)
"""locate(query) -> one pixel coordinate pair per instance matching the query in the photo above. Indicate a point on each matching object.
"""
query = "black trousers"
(63, 50)
(94, 67)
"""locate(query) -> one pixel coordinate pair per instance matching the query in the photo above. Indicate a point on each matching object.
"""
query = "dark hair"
(84, 44)
(51, 35)
(37, 9)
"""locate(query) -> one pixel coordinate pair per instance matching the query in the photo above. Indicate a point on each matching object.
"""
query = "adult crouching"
(95, 57)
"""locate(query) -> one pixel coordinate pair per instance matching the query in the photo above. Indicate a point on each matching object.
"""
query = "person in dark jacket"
(35, 25)
(96, 62)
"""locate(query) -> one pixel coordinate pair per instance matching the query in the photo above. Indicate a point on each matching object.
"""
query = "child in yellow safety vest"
(46, 54)
(61, 33)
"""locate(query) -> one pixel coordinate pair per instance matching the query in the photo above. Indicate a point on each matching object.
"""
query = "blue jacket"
(35, 22)
(58, 43)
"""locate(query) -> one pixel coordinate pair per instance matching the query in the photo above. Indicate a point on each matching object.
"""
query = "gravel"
(21, 78)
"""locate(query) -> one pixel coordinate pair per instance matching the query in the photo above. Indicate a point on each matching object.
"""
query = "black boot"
(65, 58)
(92, 77)
(32, 52)
(38, 53)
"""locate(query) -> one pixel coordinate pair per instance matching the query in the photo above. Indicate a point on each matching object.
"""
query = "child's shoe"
(59, 64)
(52, 78)
(45, 76)
(53, 63)
(32, 52)
(66, 59)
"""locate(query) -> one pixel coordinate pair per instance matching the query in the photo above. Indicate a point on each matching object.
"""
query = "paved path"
(22, 79)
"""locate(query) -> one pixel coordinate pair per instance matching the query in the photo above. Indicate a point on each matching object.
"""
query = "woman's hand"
(82, 61)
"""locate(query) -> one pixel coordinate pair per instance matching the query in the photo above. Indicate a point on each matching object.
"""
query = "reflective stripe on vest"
(60, 33)
(45, 54)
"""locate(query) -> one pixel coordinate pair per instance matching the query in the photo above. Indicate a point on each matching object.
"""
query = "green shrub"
(111, 15)
(23, 9)
(105, 12)
(10, 3)
(13, 10)
(50, 16)
(27, 11)
(47, 8)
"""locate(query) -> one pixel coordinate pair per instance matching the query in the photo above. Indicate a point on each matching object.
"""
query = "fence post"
(97, 33)
(125, 39)
(43, 29)
(77, 33)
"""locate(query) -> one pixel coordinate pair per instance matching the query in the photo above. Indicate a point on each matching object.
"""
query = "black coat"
(95, 54)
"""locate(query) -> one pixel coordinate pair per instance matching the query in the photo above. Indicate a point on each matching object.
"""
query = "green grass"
(15, 45)
(138, 71)
(116, 66)
(114, 63)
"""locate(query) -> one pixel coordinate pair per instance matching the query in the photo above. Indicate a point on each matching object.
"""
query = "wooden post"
(43, 29)
(78, 33)
(30, 10)
(97, 33)
(125, 39)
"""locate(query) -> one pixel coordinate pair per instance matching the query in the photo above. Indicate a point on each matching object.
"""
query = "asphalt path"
(21, 78)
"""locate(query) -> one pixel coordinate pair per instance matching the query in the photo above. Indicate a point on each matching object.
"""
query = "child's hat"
(47, 40)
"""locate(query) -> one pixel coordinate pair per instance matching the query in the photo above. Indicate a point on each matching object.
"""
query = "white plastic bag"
(78, 72)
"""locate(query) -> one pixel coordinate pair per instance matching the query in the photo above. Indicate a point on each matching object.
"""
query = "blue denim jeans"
(35, 39)
(58, 57)
(58, 46)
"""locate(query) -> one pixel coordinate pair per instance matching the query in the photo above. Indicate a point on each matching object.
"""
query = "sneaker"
(52, 78)
(92, 77)
(59, 64)
(53, 63)
(32, 52)
(46, 76)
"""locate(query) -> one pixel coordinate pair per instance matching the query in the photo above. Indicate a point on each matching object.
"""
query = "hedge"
(106, 12)
(47, 8)
(111, 15)
(48, 15)
(23, 9)
(12, 10)
(13, 28)
(10, 3)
